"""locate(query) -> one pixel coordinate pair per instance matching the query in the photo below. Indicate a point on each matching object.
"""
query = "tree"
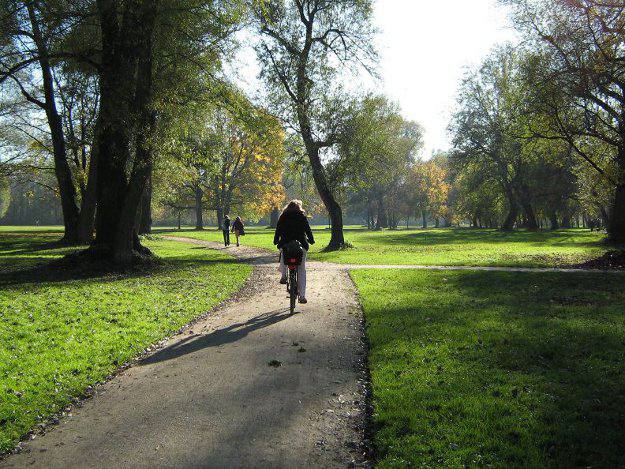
(227, 155)
(304, 45)
(31, 31)
(489, 126)
(249, 162)
(428, 190)
(377, 148)
(580, 81)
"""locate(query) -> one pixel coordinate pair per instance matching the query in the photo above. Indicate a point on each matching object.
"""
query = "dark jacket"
(238, 226)
(226, 226)
(293, 226)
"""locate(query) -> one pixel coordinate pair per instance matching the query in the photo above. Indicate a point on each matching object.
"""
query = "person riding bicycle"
(293, 226)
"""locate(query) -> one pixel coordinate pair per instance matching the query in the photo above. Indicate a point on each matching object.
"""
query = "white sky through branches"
(425, 47)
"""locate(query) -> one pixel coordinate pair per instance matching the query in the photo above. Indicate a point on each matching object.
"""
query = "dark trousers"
(226, 237)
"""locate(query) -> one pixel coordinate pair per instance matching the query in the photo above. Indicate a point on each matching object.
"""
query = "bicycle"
(293, 254)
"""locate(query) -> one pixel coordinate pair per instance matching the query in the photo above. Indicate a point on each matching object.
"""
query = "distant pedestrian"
(226, 230)
(238, 228)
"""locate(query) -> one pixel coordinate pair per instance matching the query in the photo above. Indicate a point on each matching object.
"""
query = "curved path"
(247, 386)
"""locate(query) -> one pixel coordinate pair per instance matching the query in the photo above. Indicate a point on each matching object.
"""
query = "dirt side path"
(209, 397)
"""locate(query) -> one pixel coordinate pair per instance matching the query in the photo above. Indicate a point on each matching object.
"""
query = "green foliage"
(473, 369)
(377, 148)
(60, 333)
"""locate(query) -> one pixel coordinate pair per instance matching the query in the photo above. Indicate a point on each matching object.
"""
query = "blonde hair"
(294, 204)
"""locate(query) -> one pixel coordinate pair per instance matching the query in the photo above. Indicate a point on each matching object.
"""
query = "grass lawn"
(12, 230)
(447, 246)
(492, 368)
(61, 332)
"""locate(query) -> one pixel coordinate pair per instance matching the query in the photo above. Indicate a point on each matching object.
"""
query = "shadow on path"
(219, 337)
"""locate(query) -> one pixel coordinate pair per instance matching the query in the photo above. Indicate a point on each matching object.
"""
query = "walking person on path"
(238, 229)
(226, 230)
(293, 226)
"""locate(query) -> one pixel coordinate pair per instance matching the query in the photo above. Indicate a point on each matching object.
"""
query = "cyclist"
(293, 225)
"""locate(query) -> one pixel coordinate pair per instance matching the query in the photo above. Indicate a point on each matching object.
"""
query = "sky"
(425, 47)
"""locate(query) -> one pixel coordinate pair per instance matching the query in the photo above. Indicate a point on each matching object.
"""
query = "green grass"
(49, 230)
(60, 332)
(495, 368)
(443, 246)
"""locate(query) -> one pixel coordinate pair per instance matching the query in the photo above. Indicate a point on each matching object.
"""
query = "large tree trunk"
(125, 98)
(566, 219)
(513, 212)
(424, 219)
(62, 171)
(199, 208)
(145, 220)
(86, 221)
(530, 216)
(616, 227)
(220, 216)
(335, 212)
(553, 220)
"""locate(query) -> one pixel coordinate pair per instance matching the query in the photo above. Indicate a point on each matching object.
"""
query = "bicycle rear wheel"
(292, 289)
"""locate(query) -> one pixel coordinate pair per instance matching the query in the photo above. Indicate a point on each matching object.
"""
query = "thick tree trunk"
(553, 220)
(220, 216)
(530, 216)
(86, 221)
(513, 212)
(566, 219)
(616, 227)
(145, 221)
(62, 171)
(335, 213)
(199, 209)
(125, 98)
(424, 219)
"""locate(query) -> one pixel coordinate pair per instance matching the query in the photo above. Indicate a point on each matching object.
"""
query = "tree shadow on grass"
(45, 271)
(530, 362)
(219, 337)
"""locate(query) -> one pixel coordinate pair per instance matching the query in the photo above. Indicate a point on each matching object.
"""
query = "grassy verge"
(492, 368)
(443, 246)
(61, 333)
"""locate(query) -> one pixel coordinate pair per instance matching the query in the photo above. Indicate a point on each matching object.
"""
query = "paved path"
(209, 397)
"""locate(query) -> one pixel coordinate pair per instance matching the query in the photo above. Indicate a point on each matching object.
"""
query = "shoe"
(283, 281)
(303, 301)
